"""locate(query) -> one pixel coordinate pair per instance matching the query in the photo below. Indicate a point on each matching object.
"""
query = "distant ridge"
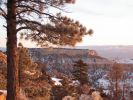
(112, 51)
(107, 51)
(3, 49)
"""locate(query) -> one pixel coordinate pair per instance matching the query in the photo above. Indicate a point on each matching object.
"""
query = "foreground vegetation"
(36, 83)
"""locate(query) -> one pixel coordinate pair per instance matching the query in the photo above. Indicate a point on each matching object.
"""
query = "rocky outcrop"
(85, 97)
(2, 96)
(96, 96)
(60, 60)
(69, 98)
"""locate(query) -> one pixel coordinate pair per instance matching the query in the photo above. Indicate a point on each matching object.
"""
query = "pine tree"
(80, 72)
(33, 18)
(115, 76)
(25, 62)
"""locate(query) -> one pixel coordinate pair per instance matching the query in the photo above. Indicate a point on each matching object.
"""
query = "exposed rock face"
(92, 53)
(69, 98)
(2, 96)
(62, 54)
(96, 96)
(61, 59)
(85, 97)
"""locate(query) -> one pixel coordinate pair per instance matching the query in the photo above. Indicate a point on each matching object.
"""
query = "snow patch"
(4, 91)
(56, 81)
(104, 83)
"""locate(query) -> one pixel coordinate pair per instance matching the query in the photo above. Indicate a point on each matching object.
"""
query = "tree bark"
(12, 58)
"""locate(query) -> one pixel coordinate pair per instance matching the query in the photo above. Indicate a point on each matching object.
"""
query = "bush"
(32, 92)
(58, 92)
(3, 85)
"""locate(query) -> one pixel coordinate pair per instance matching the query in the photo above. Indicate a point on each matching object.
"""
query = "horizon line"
(76, 46)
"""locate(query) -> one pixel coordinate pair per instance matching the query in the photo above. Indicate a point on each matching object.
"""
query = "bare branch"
(23, 28)
(35, 10)
(28, 21)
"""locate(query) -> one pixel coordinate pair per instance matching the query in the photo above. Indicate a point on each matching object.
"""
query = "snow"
(56, 80)
(2, 48)
(4, 91)
(103, 83)
(106, 91)
(75, 83)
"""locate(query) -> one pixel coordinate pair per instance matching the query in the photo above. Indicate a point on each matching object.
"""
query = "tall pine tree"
(33, 18)
(25, 62)
(80, 72)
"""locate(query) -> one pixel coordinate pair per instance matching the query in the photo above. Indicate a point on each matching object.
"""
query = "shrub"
(32, 92)
(58, 92)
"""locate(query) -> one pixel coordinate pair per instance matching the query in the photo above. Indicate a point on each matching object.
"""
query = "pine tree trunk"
(12, 58)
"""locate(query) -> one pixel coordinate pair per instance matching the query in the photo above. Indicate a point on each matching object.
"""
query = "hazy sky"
(111, 20)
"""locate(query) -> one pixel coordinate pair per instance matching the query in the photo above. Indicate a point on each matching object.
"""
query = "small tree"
(25, 63)
(115, 75)
(80, 72)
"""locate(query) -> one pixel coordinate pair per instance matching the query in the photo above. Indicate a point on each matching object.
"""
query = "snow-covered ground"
(56, 80)
(4, 91)
(103, 83)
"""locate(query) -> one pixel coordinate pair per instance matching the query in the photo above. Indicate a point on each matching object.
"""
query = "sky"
(111, 21)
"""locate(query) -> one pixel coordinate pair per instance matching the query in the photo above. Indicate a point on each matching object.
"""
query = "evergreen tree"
(29, 16)
(25, 62)
(115, 76)
(80, 72)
